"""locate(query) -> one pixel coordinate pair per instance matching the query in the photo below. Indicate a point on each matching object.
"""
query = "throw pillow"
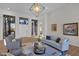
(48, 37)
(58, 40)
(13, 40)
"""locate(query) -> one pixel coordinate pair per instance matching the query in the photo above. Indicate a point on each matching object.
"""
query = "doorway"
(8, 26)
(34, 27)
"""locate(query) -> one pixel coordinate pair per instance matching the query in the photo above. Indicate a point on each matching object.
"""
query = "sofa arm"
(65, 45)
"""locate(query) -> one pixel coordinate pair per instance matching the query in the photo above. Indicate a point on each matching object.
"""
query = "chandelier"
(37, 9)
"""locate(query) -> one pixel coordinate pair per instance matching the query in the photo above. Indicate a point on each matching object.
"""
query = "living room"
(50, 23)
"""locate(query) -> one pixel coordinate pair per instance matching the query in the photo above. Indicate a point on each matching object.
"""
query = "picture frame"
(23, 20)
(70, 29)
(54, 27)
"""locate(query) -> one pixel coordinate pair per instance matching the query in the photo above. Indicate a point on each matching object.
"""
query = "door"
(34, 27)
(8, 25)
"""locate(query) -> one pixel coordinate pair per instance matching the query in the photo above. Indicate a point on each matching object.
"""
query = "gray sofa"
(63, 45)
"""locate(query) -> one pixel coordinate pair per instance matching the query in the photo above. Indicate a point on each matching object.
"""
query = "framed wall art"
(23, 20)
(54, 27)
(70, 29)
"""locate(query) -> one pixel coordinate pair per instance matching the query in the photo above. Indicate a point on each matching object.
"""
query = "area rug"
(28, 51)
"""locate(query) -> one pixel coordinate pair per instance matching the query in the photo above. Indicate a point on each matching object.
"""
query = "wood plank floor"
(73, 50)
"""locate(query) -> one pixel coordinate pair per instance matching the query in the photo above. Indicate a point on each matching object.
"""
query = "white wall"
(66, 14)
(43, 20)
(21, 30)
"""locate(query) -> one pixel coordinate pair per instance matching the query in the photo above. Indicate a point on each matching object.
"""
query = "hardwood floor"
(2, 47)
(73, 50)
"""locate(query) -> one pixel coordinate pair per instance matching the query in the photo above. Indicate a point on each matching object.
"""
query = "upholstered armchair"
(13, 45)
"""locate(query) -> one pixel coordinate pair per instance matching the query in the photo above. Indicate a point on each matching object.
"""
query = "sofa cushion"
(53, 38)
(53, 42)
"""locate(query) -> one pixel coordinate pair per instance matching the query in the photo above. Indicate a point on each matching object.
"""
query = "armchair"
(13, 45)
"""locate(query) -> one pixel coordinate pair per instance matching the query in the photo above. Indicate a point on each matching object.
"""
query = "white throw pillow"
(13, 40)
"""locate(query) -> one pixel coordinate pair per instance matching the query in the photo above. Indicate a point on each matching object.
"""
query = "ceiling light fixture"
(37, 9)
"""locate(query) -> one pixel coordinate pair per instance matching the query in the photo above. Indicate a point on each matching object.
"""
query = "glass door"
(8, 26)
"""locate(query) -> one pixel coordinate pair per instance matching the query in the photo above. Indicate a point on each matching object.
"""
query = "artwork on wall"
(70, 29)
(54, 27)
(23, 20)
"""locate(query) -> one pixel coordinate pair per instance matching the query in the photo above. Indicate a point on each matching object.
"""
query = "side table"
(39, 48)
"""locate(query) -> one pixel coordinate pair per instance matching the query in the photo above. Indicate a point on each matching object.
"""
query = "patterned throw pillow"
(58, 40)
(48, 37)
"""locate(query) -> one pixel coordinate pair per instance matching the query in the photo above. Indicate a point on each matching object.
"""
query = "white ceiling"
(24, 7)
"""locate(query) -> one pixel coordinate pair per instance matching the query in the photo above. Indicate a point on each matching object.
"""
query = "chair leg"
(64, 53)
